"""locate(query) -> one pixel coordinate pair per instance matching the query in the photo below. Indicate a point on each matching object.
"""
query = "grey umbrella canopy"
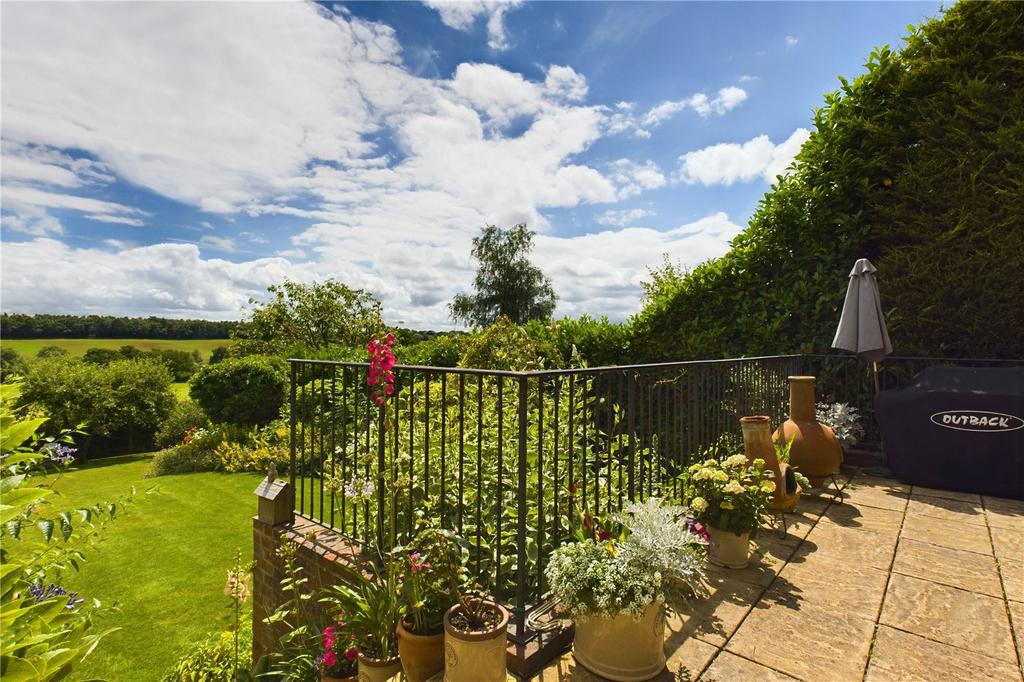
(862, 324)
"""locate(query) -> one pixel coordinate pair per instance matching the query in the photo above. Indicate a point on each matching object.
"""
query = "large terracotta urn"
(816, 452)
(757, 442)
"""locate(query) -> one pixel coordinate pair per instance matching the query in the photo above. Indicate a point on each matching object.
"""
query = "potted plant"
(617, 582)
(372, 607)
(339, 660)
(845, 422)
(730, 498)
(475, 627)
(430, 562)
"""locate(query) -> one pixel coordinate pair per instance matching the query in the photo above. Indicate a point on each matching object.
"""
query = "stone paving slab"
(1003, 513)
(906, 657)
(730, 667)
(950, 510)
(945, 533)
(966, 620)
(947, 494)
(1008, 543)
(810, 642)
(1012, 573)
(954, 567)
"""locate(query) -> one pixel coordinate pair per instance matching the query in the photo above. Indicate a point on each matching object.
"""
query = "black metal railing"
(509, 460)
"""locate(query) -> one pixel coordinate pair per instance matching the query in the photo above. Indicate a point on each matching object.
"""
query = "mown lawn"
(28, 348)
(163, 561)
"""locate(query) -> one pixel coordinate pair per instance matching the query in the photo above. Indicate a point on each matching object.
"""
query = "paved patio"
(895, 583)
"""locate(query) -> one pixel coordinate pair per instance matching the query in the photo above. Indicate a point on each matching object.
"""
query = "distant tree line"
(21, 326)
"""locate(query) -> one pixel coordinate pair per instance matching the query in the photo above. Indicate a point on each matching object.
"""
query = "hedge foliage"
(917, 164)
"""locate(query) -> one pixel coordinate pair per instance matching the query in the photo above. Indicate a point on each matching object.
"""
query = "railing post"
(381, 465)
(631, 377)
(291, 418)
(520, 610)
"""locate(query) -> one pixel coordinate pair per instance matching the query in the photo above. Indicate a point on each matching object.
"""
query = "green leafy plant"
(730, 494)
(432, 560)
(372, 606)
(46, 629)
(844, 420)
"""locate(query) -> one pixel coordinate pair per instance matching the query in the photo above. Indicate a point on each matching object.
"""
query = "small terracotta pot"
(422, 655)
(378, 670)
(622, 648)
(475, 656)
(757, 442)
(728, 549)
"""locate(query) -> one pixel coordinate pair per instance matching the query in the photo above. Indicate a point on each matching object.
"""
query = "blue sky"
(176, 158)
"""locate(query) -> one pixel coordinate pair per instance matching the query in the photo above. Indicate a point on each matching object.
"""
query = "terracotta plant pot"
(475, 656)
(622, 648)
(378, 670)
(816, 452)
(422, 655)
(728, 549)
(757, 442)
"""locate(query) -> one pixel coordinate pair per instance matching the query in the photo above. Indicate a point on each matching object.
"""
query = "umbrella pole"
(874, 373)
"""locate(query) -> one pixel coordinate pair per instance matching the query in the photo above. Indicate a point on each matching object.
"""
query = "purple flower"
(60, 454)
(52, 591)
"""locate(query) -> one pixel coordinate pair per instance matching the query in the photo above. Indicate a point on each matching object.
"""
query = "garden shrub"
(213, 658)
(196, 452)
(443, 351)
(139, 398)
(184, 417)
(11, 364)
(51, 352)
(248, 390)
(101, 356)
(504, 346)
(915, 164)
(255, 453)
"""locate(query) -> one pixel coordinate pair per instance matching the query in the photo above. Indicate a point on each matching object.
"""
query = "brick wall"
(325, 557)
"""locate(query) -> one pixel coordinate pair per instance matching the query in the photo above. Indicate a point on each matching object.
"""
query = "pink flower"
(330, 659)
(352, 654)
(389, 389)
(390, 338)
(328, 635)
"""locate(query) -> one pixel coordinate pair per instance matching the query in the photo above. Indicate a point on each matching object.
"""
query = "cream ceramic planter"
(475, 656)
(728, 549)
(378, 670)
(422, 655)
(622, 648)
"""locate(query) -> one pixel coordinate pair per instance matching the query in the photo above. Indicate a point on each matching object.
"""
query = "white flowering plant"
(654, 557)
(843, 420)
(731, 494)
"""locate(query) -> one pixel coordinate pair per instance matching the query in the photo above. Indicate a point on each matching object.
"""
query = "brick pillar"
(276, 515)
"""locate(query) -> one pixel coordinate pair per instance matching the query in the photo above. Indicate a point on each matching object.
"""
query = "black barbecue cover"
(958, 428)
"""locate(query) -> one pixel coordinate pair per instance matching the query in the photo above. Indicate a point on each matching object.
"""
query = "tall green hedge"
(917, 164)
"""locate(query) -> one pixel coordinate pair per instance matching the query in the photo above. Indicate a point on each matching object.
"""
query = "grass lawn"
(163, 561)
(28, 348)
(180, 390)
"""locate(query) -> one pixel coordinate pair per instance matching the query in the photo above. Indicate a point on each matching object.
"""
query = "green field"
(163, 561)
(28, 348)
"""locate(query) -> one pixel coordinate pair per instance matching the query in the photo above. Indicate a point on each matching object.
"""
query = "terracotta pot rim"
(494, 632)
(407, 633)
(366, 659)
(802, 379)
(755, 420)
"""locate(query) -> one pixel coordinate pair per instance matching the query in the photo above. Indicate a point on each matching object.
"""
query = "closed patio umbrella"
(862, 325)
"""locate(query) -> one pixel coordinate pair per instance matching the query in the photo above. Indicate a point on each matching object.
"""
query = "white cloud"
(634, 178)
(218, 243)
(165, 279)
(463, 14)
(108, 218)
(564, 81)
(791, 41)
(725, 100)
(725, 164)
(623, 217)
(21, 198)
(39, 225)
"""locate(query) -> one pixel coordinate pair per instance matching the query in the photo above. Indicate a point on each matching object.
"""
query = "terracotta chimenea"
(757, 442)
(816, 452)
